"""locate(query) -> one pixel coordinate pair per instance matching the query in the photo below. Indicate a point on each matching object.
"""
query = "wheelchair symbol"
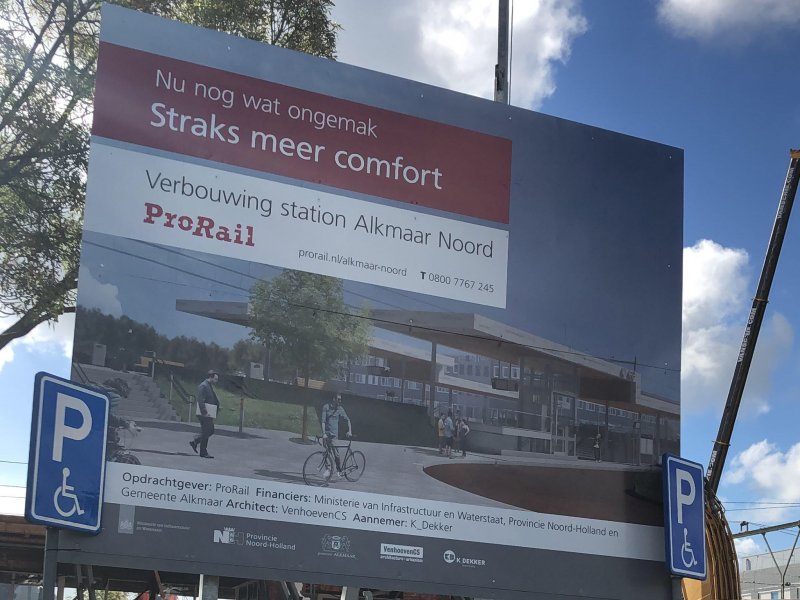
(66, 492)
(687, 554)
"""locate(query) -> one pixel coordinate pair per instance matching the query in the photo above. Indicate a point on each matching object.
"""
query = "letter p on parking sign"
(684, 517)
(66, 464)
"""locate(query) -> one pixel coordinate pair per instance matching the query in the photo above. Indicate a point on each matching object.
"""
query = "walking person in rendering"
(440, 430)
(462, 429)
(207, 407)
(332, 412)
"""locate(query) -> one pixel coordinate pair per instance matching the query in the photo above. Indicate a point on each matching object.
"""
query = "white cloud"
(47, 338)
(747, 547)
(763, 465)
(52, 337)
(714, 283)
(715, 307)
(454, 44)
(95, 294)
(770, 474)
(740, 19)
(57, 337)
(12, 500)
(7, 353)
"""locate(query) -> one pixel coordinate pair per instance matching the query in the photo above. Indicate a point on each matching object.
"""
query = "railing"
(516, 418)
(82, 376)
(497, 417)
(176, 386)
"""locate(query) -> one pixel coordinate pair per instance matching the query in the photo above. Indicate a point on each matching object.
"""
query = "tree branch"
(42, 311)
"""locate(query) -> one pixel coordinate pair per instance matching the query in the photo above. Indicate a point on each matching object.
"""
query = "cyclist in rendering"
(332, 412)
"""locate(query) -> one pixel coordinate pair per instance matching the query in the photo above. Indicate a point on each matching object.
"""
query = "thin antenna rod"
(501, 68)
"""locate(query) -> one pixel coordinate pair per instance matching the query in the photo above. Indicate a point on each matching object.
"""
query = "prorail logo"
(450, 557)
(199, 226)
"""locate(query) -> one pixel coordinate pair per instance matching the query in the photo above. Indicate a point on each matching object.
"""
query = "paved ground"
(608, 495)
(484, 480)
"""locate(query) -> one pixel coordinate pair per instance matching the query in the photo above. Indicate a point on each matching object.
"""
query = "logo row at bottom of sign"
(340, 546)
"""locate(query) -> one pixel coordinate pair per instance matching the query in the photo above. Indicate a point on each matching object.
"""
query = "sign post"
(684, 518)
(66, 465)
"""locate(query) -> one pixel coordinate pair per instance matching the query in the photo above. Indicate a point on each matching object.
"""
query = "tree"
(48, 52)
(304, 317)
(46, 77)
(243, 353)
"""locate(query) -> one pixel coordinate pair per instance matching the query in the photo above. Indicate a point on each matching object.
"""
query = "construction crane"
(722, 443)
(723, 578)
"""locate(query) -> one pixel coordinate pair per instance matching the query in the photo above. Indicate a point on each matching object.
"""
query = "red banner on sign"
(208, 113)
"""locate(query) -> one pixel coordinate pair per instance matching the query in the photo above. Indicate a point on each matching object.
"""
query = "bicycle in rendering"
(320, 467)
(116, 449)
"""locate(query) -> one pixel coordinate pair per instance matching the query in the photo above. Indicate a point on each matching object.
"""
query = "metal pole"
(434, 376)
(788, 562)
(350, 593)
(90, 576)
(50, 567)
(209, 587)
(501, 68)
(677, 591)
(747, 349)
(79, 581)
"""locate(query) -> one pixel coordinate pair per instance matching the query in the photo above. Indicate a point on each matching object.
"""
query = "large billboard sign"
(280, 251)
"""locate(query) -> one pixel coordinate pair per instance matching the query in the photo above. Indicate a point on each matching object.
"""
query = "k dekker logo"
(228, 535)
(451, 557)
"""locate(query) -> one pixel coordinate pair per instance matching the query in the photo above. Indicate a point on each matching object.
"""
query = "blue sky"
(714, 77)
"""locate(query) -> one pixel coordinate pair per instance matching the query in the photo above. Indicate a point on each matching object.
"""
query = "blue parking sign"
(684, 517)
(66, 465)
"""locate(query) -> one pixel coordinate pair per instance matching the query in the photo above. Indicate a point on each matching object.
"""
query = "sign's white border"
(139, 485)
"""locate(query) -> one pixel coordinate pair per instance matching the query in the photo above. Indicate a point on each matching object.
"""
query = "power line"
(253, 277)
(757, 502)
(340, 313)
(729, 510)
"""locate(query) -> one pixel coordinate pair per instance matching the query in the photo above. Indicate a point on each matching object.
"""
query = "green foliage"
(46, 79)
(126, 340)
(243, 353)
(304, 317)
(47, 64)
(258, 412)
(303, 25)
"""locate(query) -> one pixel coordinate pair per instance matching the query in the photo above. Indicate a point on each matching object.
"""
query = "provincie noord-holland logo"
(229, 535)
